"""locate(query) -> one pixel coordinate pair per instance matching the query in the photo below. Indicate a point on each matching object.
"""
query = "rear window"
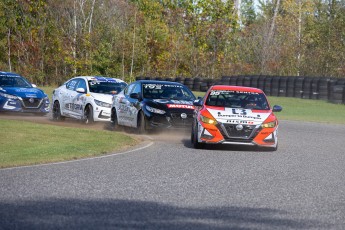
(237, 99)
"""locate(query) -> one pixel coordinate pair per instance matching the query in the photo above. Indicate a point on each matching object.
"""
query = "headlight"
(271, 124)
(154, 110)
(8, 96)
(208, 120)
(102, 104)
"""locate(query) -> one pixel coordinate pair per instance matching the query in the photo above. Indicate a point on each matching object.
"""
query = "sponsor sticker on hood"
(180, 106)
(238, 116)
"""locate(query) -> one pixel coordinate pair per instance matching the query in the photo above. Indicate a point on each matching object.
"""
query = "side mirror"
(197, 102)
(34, 85)
(80, 90)
(277, 108)
(134, 96)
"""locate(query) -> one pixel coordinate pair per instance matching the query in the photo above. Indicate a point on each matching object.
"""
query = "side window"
(137, 89)
(71, 84)
(129, 89)
(81, 84)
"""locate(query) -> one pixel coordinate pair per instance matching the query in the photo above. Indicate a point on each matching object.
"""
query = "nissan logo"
(183, 115)
(31, 100)
(239, 127)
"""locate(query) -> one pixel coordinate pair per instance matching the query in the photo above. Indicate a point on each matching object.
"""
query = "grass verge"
(25, 143)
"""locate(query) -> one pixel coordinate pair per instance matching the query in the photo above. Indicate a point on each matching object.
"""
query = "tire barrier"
(261, 82)
(283, 87)
(317, 88)
(307, 88)
(290, 91)
(275, 84)
(298, 89)
(268, 86)
(337, 94)
(324, 88)
(247, 81)
(255, 81)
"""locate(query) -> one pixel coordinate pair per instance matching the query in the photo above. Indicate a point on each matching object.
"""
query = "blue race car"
(17, 94)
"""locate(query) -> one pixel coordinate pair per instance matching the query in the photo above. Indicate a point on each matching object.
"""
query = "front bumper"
(172, 120)
(250, 135)
(25, 105)
(102, 114)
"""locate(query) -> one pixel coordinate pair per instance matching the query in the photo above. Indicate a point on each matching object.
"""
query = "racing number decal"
(239, 112)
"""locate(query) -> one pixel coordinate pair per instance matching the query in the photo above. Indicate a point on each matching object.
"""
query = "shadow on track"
(124, 214)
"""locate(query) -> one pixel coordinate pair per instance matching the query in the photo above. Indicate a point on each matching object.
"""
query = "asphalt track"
(166, 184)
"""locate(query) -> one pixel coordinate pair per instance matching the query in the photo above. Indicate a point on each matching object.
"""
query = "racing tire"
(141, 123)
(113, 120)
(88, 115)
(57, 112)
(194, 138)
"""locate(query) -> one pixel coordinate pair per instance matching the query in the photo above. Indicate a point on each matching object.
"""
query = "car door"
(79, 98)
(134, 105)
(122, 106)
(66, 98)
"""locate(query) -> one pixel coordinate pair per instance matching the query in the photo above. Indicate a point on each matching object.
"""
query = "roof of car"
(158, 82)
(8, 73)
(236, 88)
(93, 77)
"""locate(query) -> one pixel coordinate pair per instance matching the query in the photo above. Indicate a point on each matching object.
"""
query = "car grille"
(31, 102)
(177, 120)
(229, 131)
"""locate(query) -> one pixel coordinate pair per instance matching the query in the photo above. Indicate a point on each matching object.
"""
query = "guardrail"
(318, 88)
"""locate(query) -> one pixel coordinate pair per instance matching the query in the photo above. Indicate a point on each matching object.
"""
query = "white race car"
(87, 98)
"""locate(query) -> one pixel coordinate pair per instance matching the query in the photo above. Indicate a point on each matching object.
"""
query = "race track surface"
(170, 185)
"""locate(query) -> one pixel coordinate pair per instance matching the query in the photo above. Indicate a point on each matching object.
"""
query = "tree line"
(49, 41)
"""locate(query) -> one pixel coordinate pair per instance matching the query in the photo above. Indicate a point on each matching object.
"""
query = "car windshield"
(167, 91)
(106, 87)
(237, 99)
(14, 81)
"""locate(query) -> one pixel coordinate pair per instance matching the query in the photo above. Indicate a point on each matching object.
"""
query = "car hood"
(171, 104)
(108, 98)
(24, 92)
(236, 115)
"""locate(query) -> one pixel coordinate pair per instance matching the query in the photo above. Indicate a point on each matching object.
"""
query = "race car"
(86, 98)
(148, 105)
(235, 115)
(18, 95)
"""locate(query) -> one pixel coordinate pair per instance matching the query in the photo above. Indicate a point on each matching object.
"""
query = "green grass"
(306, 110)
(25, 143)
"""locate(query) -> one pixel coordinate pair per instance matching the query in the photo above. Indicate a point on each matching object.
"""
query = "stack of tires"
(324, 88)
(268, 85)
(275, 86)
(225, 80)
(254, 81)
(337, 94)
(282, 87)
(315, 88)
(261, 82)
(179, 80)
(189, 82)
(197, 83)
(298, 89)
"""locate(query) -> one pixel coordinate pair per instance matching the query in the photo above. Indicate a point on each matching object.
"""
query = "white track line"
(83, 159)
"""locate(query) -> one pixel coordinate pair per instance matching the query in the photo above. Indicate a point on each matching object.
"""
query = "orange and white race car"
(235, 115)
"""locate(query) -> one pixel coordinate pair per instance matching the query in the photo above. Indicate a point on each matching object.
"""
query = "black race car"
(148, 104)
